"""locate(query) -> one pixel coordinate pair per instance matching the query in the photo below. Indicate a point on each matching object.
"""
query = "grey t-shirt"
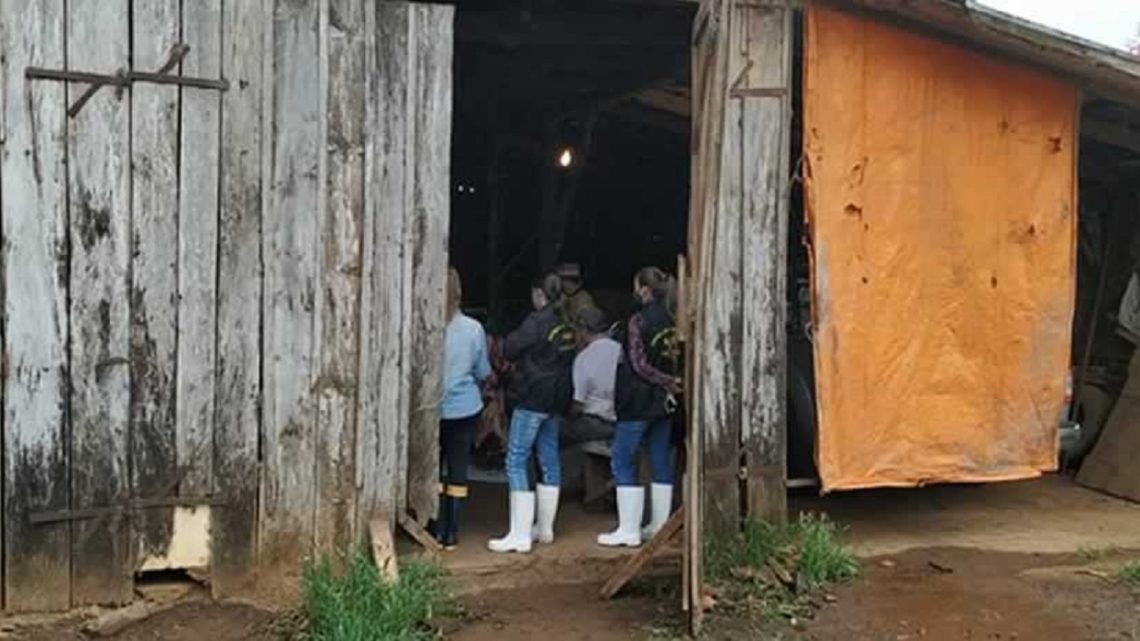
(595, 369)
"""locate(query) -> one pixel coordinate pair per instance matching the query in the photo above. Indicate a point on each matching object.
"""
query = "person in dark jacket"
(646, 390)
(542, 350)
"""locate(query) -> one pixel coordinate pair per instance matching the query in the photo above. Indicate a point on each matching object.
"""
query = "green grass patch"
(1130, 574)
(809, 549)
(348, 600)
(779, 570)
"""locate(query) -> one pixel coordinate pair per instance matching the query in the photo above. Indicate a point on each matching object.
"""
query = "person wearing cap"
(594, 373)
(576, 298)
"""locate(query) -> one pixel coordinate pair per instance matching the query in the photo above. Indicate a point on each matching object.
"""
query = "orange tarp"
(941, 202)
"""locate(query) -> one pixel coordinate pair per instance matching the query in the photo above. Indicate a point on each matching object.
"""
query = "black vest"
(635, 398)
(542, 380)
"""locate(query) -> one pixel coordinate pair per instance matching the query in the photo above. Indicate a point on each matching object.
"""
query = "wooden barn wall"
(222, 308)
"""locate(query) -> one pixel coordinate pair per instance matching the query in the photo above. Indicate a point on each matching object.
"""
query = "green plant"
(809, 547)
(775, 570)
(350, 601)
(1130, 574)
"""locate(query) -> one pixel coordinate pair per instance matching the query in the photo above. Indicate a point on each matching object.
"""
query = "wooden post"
(737, 237)
(758, 123)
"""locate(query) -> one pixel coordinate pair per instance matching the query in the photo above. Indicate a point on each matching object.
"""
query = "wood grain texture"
(380, 446)
(154, 227)
(99, 184)
(290, 242)
(716, 391)
(237, 417)
(341, 232)
(762, 38)
(430, 209)
(199, 167)
(34, 223)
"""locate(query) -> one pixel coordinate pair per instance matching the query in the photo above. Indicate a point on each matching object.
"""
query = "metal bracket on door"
(126, 77)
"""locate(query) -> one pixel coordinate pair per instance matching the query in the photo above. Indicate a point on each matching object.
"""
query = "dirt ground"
(1022, 561)
(944, 594)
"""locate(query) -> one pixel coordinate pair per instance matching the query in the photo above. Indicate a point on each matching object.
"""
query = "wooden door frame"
(742, 112)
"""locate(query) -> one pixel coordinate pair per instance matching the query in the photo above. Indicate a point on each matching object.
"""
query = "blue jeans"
(532, 430)
(627, 443)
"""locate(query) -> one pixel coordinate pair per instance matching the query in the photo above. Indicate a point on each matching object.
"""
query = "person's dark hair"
(592, 320)
(551, 286)
(662, 285)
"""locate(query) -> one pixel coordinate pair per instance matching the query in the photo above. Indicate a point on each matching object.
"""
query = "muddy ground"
(938, 594)
(1032, 561)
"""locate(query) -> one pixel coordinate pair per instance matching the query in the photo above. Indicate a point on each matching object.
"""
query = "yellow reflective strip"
(457, 491)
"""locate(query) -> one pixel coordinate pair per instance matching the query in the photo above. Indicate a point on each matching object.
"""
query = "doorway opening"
(570, 145)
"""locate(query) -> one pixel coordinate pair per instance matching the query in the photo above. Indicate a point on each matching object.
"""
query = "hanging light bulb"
(566, 158)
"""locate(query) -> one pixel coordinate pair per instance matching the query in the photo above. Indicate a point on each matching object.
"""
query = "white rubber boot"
(522, 516)
(660, 506)
(547, 496)
(631, 506)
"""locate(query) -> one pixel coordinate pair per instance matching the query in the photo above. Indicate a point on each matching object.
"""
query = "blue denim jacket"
(465, 366)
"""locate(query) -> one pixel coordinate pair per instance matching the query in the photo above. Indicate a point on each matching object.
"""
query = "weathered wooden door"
(737, 247)
(224, 230)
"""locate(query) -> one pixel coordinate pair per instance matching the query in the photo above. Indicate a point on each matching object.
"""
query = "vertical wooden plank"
(291, 237)
(154, 274)
(763, 43)
(431, 194)
(4, 44)
(380, 418)
(34, 220)
(341, 232)
(719, 323)
(703, 68)
(100, 211)
(237, 417)
(200, 120)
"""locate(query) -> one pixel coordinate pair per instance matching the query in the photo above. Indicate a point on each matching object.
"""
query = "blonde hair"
(454, 292)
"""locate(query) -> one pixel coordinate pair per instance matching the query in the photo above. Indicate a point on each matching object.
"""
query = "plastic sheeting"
(941, 201)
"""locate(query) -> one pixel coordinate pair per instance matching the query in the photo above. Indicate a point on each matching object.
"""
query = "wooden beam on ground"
(384, 547)
(420, 535)
(637, 562)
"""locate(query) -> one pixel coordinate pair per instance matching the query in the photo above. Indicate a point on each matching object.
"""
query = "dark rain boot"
(443, 519)
(455, 513)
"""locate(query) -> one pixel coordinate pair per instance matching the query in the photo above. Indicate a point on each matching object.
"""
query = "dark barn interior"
(604, 83)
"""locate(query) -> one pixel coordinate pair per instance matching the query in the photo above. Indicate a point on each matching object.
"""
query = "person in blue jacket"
(465, 367)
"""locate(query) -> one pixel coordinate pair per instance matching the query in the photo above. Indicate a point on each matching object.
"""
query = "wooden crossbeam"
(636, 563)
(420, 535)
